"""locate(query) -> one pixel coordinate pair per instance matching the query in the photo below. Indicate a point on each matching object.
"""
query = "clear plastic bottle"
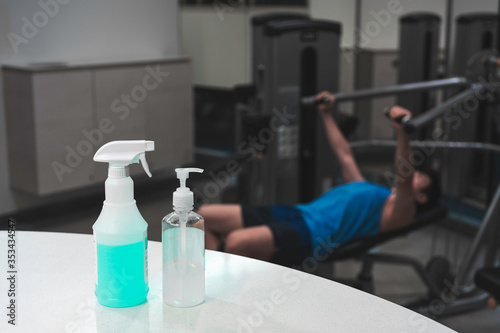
(183, 241)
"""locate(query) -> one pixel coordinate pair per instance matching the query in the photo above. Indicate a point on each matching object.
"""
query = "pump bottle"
(183, 241)
(120, 232)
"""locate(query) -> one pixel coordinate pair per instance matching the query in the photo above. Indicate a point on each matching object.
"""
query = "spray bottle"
(120, 232)
(183, 241)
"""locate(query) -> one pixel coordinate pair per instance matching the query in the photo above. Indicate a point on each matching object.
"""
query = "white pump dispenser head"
(183, 196)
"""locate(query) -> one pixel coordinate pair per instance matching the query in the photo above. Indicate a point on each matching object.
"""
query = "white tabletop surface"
(55, 292)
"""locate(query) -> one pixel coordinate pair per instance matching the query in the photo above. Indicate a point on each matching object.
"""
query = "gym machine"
(418, 60)
(262, 62)
(294, 57)
(487, 236)
(299, 164)
(278, 83)
(475, 38)
(294, 163)
(482, 89)
(437, 274)
(215, 107)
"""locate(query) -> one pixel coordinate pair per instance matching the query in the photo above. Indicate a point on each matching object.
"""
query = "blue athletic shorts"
(290, 232)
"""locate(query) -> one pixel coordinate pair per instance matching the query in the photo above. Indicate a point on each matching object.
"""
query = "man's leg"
(254, 242)
(220, 220)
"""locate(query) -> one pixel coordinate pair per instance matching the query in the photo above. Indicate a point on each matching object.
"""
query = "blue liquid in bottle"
(122, 275)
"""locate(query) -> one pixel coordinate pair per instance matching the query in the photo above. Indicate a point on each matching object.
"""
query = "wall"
(80, 31)
(467, 6)
(208, 30)
(337, 10)
(217, 45)
(388, 37)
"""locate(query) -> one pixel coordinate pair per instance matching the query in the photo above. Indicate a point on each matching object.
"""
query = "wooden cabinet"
(57, 118)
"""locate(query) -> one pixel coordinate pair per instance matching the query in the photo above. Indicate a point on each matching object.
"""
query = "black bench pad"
(360, 246)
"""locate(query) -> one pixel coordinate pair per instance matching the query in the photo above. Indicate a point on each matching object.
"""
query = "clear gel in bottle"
(183, 242)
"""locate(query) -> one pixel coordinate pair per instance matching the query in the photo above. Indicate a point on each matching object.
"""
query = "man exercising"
(288, 234)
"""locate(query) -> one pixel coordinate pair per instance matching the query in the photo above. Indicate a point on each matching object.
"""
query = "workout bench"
(360, 248)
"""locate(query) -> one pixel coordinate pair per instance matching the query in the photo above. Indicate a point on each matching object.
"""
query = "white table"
(56, 294)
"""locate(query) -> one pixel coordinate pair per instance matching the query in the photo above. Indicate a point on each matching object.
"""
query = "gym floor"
(394, 283)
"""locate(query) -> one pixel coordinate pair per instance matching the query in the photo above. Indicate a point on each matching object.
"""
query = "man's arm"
(338, 143)
(400, 209)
